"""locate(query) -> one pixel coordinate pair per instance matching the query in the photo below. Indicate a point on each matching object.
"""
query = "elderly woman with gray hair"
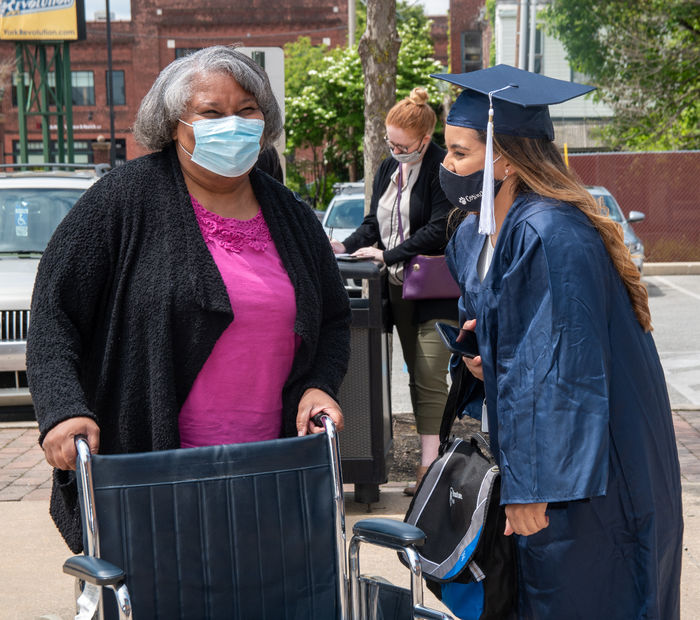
(188, 298)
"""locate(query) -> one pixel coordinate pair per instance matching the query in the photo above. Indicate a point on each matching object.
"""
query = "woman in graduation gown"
(578, 411)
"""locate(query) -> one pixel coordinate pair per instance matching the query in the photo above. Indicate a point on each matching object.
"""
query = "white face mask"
(227, 146)
(408, 158)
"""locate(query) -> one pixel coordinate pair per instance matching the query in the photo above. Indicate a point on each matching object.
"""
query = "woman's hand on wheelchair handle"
(316, 401)
(59, 443)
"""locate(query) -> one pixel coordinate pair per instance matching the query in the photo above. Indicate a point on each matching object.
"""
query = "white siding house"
(576, 122)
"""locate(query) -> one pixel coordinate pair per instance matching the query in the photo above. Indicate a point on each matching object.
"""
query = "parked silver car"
(344, 214)
(632, 241)
(32, 204)
(345, 211)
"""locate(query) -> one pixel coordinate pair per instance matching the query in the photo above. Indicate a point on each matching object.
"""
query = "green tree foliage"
(298, 57)
(644, 57)
(325, 108)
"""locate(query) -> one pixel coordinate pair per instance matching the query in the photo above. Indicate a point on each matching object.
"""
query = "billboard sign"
(42, 20)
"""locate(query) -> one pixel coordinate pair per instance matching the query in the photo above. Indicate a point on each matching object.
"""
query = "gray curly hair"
(170, 94)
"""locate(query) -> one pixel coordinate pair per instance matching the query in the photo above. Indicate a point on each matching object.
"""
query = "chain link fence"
(663, 185)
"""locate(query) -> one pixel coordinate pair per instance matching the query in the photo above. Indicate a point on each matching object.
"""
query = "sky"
(120, 9)
(434, 7)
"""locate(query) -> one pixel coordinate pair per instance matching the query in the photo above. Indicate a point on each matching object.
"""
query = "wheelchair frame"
(354, 602)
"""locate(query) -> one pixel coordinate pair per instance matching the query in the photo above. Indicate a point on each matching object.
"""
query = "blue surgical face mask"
(464, 190)
(408, 158)
(227, 146)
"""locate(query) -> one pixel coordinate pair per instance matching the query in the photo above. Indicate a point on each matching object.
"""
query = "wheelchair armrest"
(93, 570)
(389, 533)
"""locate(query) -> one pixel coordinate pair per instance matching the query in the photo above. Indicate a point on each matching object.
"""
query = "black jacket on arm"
(428, 213)
(128, 304)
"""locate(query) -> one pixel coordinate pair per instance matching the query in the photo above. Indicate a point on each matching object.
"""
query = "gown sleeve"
(551, 370)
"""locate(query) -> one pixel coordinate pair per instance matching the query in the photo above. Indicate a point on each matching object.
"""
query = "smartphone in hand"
(466, 345)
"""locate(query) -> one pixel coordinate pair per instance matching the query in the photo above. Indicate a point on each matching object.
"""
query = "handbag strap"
(398, 202)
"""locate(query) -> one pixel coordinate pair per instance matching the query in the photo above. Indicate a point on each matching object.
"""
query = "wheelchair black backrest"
(242, 531)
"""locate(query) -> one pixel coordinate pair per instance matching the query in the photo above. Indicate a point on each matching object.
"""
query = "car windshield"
(28, 217)
(346, 213)
(611, 204)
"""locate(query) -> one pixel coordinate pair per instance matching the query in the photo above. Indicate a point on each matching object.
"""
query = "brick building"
(439, 33)
(470, 36)
(156, 33)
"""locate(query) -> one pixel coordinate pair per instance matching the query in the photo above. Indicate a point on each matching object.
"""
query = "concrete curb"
(672, 269)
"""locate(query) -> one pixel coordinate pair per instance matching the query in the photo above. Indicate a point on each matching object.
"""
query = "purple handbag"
(425, 277)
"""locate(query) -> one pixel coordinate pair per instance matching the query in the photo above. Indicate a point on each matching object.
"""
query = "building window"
(185, 51)
(35, 151)
(83, 83)
(15, 80)
(50, 82)
(82, 150)
(472, 59)
(119, 151)
(118, 91)
(259, 57)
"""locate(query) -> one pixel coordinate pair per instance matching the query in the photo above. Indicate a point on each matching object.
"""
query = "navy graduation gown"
(579, 416)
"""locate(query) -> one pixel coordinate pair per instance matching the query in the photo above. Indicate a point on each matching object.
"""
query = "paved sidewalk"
(25, 475)
(32, 585)
(687, 427)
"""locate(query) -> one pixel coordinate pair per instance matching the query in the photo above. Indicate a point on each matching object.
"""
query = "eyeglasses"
(404, 150)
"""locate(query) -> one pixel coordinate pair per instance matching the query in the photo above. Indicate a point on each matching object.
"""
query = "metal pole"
(21, 103)
(532, 36)
(351, 23)
(44, 103)
(522, 30)
(110, 77)
(68, 100)
(60, 101)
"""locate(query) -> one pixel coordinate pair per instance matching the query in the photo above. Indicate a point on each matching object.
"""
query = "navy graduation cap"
(505, 100)
(519, 99)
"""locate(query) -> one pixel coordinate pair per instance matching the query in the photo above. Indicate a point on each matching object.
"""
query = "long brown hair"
(541, 169)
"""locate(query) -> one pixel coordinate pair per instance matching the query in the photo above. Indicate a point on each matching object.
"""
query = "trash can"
(365, 395)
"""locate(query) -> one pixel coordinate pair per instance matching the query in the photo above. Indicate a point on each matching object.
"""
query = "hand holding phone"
(466, 346)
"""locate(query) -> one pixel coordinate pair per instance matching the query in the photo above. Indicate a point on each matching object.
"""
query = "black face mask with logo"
(464, 190)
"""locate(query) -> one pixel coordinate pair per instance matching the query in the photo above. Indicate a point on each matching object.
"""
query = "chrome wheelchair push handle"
(322, 419)
(83, 466)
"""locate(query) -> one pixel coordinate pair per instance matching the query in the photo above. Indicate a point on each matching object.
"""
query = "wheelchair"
(242, 531)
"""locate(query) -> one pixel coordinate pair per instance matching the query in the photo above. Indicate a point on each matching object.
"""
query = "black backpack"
(467, 561)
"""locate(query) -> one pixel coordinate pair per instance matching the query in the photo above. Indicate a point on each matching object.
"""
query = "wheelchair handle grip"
(318, 419)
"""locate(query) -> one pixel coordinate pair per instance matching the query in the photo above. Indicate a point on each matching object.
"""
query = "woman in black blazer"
(421, 229)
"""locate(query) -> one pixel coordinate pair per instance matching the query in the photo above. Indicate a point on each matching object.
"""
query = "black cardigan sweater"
(428, 211)
(128, 304)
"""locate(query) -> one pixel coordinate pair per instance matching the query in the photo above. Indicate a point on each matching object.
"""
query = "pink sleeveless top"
(237, 395)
